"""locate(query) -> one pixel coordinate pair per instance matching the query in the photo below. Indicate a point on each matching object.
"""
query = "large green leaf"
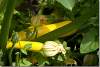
(89, 42)
(69, 4)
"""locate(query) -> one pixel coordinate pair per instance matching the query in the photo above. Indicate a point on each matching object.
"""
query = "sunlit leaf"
(89, 42)
(60, 58)
(69, 4)
(24, 51)
(24, 62)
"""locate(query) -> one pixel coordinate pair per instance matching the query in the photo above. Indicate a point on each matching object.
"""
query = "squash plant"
(49, 32)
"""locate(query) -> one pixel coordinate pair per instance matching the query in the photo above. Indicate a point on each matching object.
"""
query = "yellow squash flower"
(51, 27)
(35, 46)
(44, 29)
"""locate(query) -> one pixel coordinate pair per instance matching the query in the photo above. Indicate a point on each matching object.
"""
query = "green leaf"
(40, 59)
(64, 44)
(89, 42)
(24, 51)
(43, 62)
(28, 46)
(69, 4)
(24, 62)
(60, 58)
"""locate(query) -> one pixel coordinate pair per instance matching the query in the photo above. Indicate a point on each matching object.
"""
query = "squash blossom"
(51, 27)
(44, 29)
(52, 48)
(34, 46)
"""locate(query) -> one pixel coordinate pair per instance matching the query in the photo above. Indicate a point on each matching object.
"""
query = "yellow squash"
(35, 46)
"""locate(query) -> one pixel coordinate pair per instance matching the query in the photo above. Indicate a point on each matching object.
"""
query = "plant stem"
(10, 54)
(6, 26)
(18, 56)
(37, 21)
